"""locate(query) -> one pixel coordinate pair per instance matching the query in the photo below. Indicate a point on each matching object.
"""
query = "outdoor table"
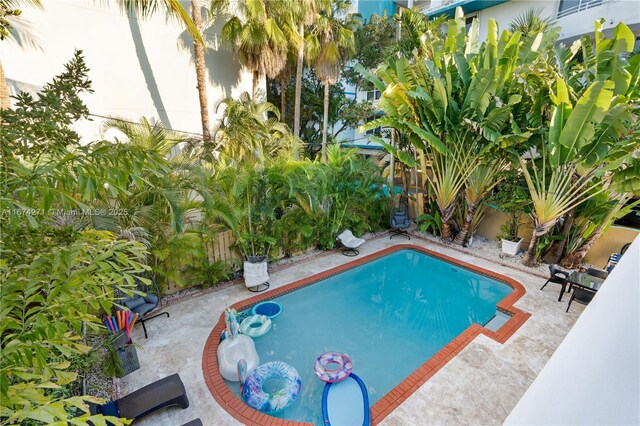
(581, 279)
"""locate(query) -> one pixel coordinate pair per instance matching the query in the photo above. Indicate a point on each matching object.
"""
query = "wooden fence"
(218, 248)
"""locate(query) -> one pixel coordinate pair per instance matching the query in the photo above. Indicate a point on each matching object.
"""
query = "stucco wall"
(610, 242)
(593, 378)
(137, 67)
(575, 24)
(504, 13)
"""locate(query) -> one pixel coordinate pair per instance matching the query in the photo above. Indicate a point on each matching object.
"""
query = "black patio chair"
(400, 220)
(581, 295)
(160, 394)
(144, 305)
(557, 276)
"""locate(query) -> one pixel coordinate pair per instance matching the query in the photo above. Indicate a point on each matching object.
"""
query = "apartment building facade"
(574, 17)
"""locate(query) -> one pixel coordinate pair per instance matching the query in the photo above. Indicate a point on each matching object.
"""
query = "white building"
(574, 17)
(137, 67)
(593, 378)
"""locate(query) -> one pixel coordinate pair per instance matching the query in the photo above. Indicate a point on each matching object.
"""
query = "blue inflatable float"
(269, 309)
(256, 397)
(346, 402)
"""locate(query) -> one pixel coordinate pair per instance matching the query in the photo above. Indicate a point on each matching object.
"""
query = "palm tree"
(149, 135)
(250, 132)
(330, 42)
(198, 53)
(9, 9)
(261, 41)
(304, 14)
(174, 9)
(532, 22)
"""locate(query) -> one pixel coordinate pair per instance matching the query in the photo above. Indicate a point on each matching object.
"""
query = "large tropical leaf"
(480, 92)
(590, 110)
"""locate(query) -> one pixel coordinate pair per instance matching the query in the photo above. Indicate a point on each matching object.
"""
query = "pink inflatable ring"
(332, 375)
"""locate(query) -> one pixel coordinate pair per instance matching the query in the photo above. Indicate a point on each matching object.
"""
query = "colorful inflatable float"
(257, 397)
(345, 400)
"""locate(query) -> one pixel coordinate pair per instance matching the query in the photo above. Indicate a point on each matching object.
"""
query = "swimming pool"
(392, 315)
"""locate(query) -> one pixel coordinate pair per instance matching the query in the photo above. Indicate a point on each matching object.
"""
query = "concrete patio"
(480, 385)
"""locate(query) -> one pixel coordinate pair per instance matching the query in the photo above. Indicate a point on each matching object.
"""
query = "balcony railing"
(578, 7)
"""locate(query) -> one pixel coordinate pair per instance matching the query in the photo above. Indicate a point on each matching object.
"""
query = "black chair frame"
(581, 295)
(556, 276)
(257, 289)
(146, 317)
(401, 212)
(350, 252)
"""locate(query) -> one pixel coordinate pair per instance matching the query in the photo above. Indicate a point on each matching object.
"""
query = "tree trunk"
(298, 96)
(256, 81)
(557, 248)
(530, 257)
(461, 238)
(392, 167)
(5, 102)
(446, 231)
(198, 50)
(325, 122)
(283, 100)
(573, 260)
(446, 215)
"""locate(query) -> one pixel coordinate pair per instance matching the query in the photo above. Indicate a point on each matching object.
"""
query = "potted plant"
(512, 198)
(509, 234)
(255, 224)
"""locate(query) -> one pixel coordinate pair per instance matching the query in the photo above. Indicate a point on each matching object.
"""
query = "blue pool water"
(389, 315)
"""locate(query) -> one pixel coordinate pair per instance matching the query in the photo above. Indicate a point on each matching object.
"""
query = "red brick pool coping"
(396, 396)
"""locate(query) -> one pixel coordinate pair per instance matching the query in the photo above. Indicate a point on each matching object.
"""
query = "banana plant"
(458, 101)
(478, 185)
(592, 223)
(592, 133)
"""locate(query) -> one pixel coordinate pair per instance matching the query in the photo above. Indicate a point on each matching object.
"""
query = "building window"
(468, 20)
(567, 7)
(373, 95)
(376, 131)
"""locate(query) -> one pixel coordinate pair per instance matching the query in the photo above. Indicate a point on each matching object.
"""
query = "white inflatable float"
(234, 348)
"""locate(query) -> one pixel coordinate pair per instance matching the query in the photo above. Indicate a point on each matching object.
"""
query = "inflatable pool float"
(256, 397)
(322, 367)
(235, 347)
(232, 350)
(346, 403)
(255, 326)
(269, 309)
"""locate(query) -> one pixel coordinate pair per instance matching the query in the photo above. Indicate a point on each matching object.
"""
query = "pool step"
(498, 320)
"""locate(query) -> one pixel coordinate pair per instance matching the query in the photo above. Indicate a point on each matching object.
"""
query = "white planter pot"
(511, 247)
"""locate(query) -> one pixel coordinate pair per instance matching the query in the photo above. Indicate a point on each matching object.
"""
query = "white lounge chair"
(350, 242)
(256, 275)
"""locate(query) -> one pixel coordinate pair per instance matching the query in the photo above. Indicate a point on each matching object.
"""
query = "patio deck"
(480, 385)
